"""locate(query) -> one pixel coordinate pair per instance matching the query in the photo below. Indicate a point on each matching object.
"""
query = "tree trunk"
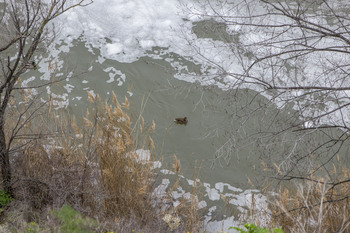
(5, 164)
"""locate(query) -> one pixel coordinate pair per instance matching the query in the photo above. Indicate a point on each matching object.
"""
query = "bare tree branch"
(25, 24)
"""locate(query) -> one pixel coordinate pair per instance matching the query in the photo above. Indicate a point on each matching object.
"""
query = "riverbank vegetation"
(101, 165)
(315, 205)
(312, 205)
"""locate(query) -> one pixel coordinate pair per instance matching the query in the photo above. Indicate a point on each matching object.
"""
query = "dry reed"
(95, 165)
(314, 206)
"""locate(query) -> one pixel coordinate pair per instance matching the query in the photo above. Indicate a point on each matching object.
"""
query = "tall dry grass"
(95, 165)
(125, 175)
(314, 206)
(187, 209)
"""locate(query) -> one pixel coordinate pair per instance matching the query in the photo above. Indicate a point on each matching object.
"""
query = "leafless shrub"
(314, 206)
(23, 28)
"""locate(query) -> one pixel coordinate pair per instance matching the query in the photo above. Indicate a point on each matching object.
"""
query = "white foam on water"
(125, 30)
(112, 72)
(160, 191)
(222, 225)
(28, 80)
(212, 193)
(68, 87)
(220, 195)
(132, 27)
(220, 186)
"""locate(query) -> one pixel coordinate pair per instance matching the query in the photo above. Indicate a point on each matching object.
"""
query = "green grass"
(32, 227)
(73, 222)
(251, 228)
(5, 199)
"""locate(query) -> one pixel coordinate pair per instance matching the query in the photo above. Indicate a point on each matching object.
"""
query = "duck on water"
(181, 121)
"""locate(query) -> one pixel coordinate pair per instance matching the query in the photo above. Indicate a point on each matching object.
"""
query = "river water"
(135, 62)
(206, 142)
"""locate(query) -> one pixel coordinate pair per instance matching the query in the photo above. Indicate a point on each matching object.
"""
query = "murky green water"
(224, 134)
(152, 82)
(228, 135)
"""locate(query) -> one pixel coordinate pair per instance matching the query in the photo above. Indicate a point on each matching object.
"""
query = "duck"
(181, 121)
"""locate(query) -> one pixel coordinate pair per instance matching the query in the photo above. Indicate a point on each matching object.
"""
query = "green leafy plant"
(73, 221)
(251, 228)
(5, 199)
(32, 228)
